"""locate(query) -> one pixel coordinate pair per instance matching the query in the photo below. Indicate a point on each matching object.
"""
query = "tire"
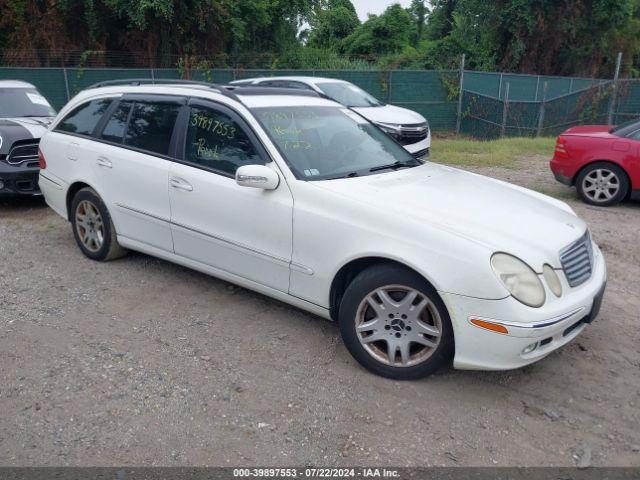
(92, 227)
(602, 184)
(371, 333)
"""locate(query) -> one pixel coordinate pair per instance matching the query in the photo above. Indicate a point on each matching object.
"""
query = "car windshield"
(24, 102)
(321, 143)
(348, 95)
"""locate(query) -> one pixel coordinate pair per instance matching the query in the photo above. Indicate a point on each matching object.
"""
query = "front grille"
(421, 153)
(25, 152)
(577, 260)
(410, 134)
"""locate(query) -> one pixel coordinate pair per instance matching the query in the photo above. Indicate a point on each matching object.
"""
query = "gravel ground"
(142, 362)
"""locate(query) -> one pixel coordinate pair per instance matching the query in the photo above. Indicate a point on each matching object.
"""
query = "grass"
(493, 153)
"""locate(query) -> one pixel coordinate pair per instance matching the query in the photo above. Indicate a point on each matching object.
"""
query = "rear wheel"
(603, 184)
(92, 227)
(395, 323)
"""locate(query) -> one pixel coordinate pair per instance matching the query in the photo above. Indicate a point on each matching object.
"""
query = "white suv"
(299, 198)
(409, 128)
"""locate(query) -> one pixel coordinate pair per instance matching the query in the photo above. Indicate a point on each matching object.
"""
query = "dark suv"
(24, 117)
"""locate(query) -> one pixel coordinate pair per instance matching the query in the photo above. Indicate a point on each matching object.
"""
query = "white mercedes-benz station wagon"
(295, 196)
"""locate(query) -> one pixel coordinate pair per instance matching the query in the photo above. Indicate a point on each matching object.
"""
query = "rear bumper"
(564, 170)
(55, 192)
(18, 180)
(562, 179)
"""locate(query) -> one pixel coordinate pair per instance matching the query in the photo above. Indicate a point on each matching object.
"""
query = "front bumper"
(420, 149)
(549, 327)
(18, 180)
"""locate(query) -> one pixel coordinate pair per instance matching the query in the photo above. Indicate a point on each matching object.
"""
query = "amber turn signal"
(494, 327)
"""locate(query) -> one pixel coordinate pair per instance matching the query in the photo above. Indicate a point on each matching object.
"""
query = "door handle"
(181, 184)
(103, 162)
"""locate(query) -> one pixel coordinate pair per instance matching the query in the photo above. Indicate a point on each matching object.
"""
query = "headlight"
(519, 279)
(552, 279)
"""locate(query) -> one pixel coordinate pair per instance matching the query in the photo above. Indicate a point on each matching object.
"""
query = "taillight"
(561, 148)
(41, 161)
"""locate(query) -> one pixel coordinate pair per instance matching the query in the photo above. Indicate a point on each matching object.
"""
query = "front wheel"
(395, 324)
(603, 184)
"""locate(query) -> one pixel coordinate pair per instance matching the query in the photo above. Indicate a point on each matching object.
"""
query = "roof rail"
(231, 91)
(261, 90)
(152, 81)
(164, 81)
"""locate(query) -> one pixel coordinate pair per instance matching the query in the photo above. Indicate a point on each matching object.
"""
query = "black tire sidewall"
(620, 173)
(91, 196)
(391, 274)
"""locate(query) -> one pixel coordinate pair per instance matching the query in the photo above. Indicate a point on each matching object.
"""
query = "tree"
(440, 21)
(545, 36)
(381, 34)
(331, 23)
(419, 12)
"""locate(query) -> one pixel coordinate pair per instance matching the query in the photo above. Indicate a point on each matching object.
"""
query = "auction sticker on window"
(38, 99)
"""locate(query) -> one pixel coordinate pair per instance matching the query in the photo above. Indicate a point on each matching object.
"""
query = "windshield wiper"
(346, 175)
(392, 166)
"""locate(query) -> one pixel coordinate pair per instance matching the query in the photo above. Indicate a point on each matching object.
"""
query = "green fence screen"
(434, 94)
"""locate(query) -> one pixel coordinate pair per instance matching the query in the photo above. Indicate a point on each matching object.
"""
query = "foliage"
(331, 23)
(577, 37)
(381, 34)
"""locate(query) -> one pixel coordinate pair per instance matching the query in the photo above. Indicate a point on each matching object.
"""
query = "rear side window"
(216, 141)
(117, 124)
(83, 119)
(151, 125)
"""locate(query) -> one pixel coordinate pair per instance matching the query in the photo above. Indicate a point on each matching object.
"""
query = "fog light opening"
(1, 185)
(530, 348)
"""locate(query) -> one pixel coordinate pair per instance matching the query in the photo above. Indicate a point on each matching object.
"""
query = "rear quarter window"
(83, 119)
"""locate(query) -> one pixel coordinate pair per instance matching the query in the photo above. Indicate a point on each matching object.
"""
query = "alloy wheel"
(601, 185)
(89, 226)
(398, 326)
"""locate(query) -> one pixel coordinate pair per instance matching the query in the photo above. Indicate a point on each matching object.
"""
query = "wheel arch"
(347, 272)
(74, 188)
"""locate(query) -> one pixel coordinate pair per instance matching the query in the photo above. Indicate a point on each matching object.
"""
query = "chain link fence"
(607, 102)
(489, 105)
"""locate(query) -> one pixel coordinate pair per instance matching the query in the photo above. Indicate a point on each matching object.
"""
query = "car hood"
(390, 114)
(501, 216)
(22, 128)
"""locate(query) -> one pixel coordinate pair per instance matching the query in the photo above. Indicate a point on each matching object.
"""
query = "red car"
(602, 162)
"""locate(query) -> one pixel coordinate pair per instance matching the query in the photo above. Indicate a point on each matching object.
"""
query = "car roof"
(304, 79)
(250, 97)
(15, 84)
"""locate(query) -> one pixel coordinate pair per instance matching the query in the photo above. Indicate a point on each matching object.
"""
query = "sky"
(375, 6)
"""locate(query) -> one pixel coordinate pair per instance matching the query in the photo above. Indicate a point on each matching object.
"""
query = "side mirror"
(257, 176)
